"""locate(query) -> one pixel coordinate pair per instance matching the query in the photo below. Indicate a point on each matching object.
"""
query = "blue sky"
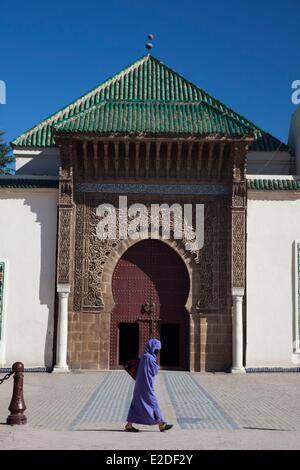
(245, 53)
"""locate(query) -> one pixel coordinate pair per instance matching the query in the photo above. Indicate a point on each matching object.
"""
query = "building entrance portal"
(150, 287)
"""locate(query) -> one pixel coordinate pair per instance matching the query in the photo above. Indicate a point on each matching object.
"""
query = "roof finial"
(149, 45)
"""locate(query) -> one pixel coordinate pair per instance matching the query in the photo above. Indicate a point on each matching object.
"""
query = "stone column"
(192, 343)
(62, 329)
(238, 248)
(237, 331)
(65, 249)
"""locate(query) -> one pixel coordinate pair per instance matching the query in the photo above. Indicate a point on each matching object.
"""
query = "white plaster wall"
(28, 244)
(273, 223)
(37, 161)
(268, 163)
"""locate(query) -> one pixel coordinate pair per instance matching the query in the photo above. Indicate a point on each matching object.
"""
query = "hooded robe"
(144, 408)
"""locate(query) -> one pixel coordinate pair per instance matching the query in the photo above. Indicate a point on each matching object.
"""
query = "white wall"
(268, 163)
(37, 161)
(273, 223)
(28, 244)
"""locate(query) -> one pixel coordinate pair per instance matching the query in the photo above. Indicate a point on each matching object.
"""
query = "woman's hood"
(152, 345)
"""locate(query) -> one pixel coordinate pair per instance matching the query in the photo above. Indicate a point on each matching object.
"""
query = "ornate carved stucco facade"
(86, 263)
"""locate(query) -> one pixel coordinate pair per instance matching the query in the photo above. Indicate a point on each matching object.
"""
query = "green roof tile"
(27, 183)
(274, 184)
(147, 97)
(152, 118)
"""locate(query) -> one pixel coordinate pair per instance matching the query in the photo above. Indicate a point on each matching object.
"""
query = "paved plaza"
(87, 410)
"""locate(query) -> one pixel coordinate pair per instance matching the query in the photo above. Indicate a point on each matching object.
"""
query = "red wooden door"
(150, 272)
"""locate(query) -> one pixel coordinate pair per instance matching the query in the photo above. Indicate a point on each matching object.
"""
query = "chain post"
(17, 405)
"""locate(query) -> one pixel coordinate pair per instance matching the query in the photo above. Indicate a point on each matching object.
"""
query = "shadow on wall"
(44, 206)
(42, 166)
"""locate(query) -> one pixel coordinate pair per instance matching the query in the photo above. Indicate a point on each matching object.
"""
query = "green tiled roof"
(273, 184)
(27, 183)
(147, 97)
(153, 118)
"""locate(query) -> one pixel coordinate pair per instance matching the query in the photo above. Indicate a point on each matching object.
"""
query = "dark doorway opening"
(128, 341)
(170, 354)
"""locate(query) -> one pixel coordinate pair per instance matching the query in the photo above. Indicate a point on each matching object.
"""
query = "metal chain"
(6, 377)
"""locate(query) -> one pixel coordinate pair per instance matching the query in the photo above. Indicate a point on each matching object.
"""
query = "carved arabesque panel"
(97, 251)
(91, 253)
(238, 217)
(79, 252)
(238, 249)
(64, 245)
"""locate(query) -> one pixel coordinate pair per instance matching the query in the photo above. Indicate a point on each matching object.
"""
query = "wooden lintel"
(126, 159)
(74, 158)
(157, 159)
(117, 158)
(189, 159)
(105, 159)
(221, 156)
(85, 158)
(168, 163)
(178, 162)
(137, 159)
(210, 158)
(95, 148)
(199, 162)
(147, 158)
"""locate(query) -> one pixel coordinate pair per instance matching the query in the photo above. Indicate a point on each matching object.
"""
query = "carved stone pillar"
(192, 342)
(64, 252)
(62, 329)
(238, 252)
(237, 331)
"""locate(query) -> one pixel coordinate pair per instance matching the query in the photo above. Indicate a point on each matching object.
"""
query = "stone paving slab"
(195, 408)
(109, 403)
(257, 401)
(88, 410)
(26, 438)
(52, 400)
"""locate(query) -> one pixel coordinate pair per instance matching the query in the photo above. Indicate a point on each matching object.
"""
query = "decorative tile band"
(5, 370)
(124, 188)
(201, 410)
(2, 279)
(298, 290)
(109, 403)
(255, 370)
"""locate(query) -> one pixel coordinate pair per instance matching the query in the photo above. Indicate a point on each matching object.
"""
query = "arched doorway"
(150, 286)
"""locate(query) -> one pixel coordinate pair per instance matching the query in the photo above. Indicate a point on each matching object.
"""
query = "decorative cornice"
(120, 188)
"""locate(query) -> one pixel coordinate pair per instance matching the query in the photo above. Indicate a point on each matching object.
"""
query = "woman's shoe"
(130, 429)
(165, 427)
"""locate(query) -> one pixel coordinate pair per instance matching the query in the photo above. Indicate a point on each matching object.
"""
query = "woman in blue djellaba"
(144, 408)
